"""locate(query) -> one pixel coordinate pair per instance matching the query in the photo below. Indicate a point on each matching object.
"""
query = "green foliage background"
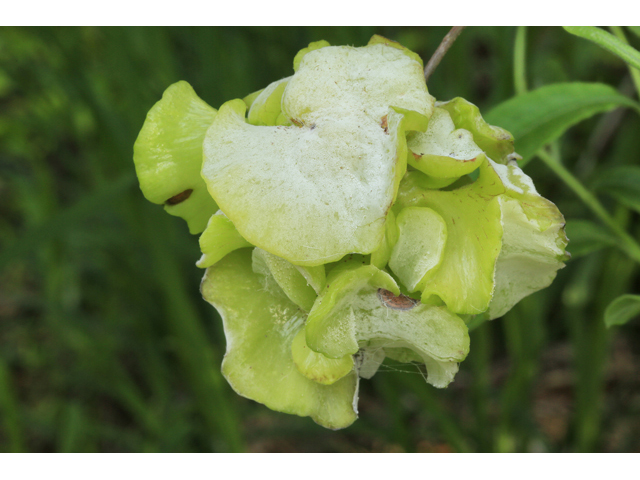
(106, 344)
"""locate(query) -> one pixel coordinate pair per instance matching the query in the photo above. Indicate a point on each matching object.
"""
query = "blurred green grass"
(106, 344)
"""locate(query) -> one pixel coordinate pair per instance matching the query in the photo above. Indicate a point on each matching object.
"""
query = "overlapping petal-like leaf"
(168, 155)
(362, 81)
(316, 366)
(218, 239)
(504, 241)
(281, 186)
(287, 276)
(443, 151)
(362, 308)
(464, 279)
(260, 327)
(266, 108)
(496, 142)
(533, 242)
(337, 170)
(419, 250)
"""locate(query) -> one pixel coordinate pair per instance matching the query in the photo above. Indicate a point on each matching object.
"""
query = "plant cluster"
(345, 216)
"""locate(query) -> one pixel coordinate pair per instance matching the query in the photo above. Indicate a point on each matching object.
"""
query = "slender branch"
(519, 56)
(442, 49)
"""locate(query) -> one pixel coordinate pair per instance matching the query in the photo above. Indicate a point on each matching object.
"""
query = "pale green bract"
(346, 217)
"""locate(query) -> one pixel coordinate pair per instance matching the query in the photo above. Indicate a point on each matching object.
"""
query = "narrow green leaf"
(635, 30)
(621, 310)
(622, 183)
(609, 42)
(587, 237)
(541, 116)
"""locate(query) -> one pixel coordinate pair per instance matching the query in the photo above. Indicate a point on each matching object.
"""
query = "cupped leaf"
(287, 276)
(417, 177)
(309, 195)
(218, 239)
(380, 257)
(266, 108)
(249, 99)
(464, 279)
(621, 310)
(347, 80)
(418, 252)
(315, 276)
(359, 311)
(442, 151)
(496, 142)
(412, 121)
(541, 116)
(337, 171)
(622, 183)
(609, 42)
(312, 46)
(316, 366)
(348, 262)
(533, 250)
(379, 39)
(168, 155)
(335, 339)
(503, 241)
(260, 329)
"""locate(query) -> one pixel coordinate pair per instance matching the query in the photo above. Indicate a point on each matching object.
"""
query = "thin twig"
(446, 43)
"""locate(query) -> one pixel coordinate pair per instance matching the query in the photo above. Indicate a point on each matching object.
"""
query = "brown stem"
(446, 43)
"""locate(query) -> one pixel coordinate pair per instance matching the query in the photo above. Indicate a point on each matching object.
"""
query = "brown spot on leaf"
(179, 198)
(401, 302)
(384, 124)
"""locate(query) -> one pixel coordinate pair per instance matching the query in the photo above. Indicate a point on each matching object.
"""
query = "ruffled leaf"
(496, 142)
(361, 309)
(533, 242)
(309, 195)
(334, 81)
(168, 155)
(315, 276)
(419, 250)
(464, 280)
(380, 257)
(316, 366)
(443, 151)
(312, 46)
(249, 99)
(266, 109)
(504, 240)
(218, 239)
(260, 329)
(379, 39)
(287, 276)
